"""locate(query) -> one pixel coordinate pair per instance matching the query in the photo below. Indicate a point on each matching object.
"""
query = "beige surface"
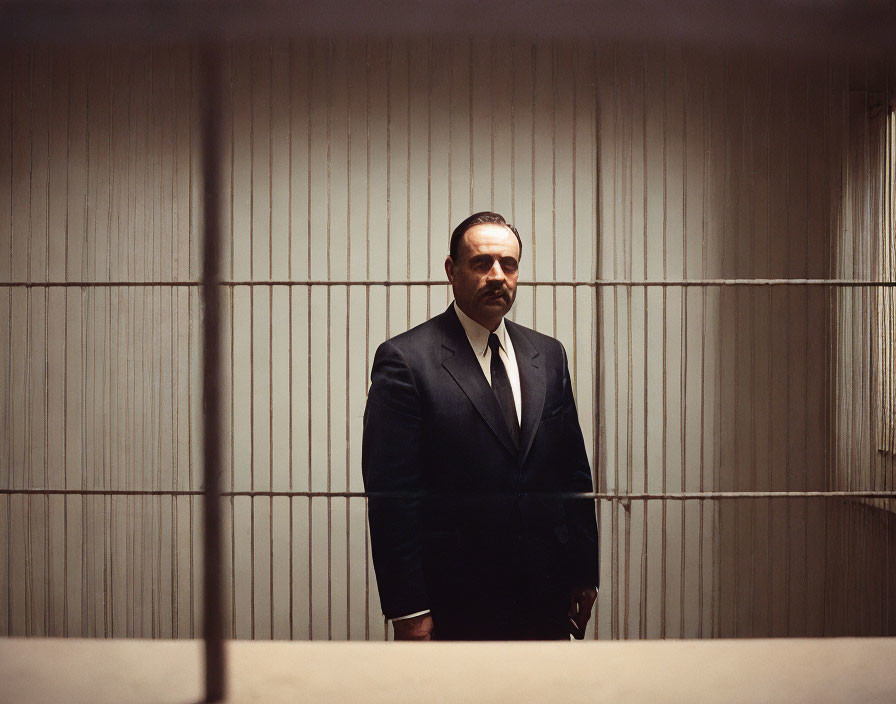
(832, 670)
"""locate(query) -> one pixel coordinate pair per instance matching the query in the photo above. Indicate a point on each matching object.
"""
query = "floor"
(798, 670)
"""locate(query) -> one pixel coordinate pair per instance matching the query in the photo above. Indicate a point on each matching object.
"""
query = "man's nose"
(496, 273)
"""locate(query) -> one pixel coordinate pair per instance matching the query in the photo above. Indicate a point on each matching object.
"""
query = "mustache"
(500, 288)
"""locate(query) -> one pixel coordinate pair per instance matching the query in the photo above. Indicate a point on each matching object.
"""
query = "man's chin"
(496, 306)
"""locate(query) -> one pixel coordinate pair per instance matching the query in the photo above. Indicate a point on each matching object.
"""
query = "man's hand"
(581, 599)
(415, 628)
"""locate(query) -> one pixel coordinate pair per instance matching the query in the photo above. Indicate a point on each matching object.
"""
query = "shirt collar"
(477, 334)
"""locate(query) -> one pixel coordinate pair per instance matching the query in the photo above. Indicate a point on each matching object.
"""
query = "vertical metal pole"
(213, 614)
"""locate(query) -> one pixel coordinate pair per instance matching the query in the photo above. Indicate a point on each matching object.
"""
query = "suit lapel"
(532, 385)
(461, 363)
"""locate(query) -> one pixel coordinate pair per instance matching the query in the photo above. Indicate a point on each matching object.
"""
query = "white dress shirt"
(478, 337)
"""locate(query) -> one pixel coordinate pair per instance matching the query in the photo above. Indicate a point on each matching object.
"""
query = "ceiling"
(850, 26)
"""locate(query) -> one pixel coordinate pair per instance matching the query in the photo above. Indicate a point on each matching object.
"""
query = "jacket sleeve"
(584, 546)
(391, 461)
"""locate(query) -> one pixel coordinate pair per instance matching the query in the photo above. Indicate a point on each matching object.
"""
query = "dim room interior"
(707, 213)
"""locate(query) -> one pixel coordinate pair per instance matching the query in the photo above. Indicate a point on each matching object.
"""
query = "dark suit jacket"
(483, 535)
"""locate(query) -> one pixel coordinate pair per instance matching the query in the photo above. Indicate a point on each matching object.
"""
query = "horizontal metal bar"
(99, 284)
(101, 492)
(610, 496)
(595, 283)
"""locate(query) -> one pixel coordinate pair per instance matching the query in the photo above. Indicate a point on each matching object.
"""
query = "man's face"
(485, 273)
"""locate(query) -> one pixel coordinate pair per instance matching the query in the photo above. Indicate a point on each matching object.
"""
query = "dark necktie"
(503, 391)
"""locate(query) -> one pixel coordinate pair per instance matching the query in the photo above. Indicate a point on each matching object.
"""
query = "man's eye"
(509, 266)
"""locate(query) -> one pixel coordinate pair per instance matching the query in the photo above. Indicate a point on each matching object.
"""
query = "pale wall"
(351, 161)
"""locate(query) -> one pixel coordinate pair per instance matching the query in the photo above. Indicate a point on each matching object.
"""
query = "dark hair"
(483, 218)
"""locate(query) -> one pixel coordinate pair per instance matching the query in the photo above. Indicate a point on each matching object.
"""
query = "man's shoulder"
(425, 333)
(542, 342)
(430, 333)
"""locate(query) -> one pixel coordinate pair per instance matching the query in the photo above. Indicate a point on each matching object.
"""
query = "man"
(470, 432)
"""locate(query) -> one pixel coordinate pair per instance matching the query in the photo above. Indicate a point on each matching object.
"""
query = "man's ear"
(449, 268)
